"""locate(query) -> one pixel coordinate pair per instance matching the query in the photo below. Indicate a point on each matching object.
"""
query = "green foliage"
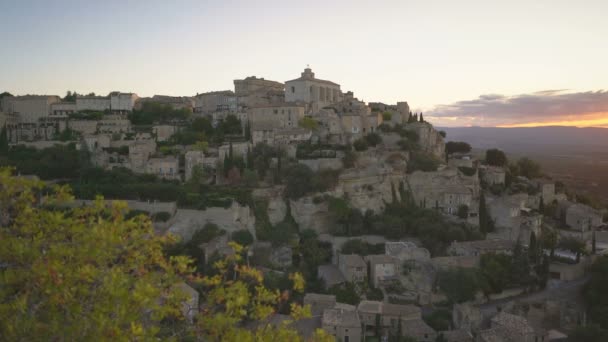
(85, 274)
(162, 216)
(588, 333)
(202, 125)
(360, 247)
(374, 294)
(439, 320)
(495, 269)
(422, 161)
(301, 180)
(463, 211)
(360, 144)
(373, 139)
(574, 245)
(243, 237)
(387, 116)
(345, 293)
(459, 285)
(595, 294)
(457, 147)
(529, 168)
(154, 112)
(410, 135)
(308, 123)
(3, 141)
(443, 134)
(86, 115)
(486, 224)
(57, 162)
(467, 171)
(496, 157)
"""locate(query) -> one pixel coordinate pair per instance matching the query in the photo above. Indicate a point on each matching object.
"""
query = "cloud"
(543, 106)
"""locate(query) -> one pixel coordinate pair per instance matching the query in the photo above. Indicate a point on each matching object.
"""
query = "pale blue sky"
(426, 52)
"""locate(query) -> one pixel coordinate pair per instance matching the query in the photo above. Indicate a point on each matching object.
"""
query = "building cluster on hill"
(394, 210)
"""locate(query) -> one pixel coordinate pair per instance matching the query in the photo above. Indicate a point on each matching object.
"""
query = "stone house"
(92, 103)
(164, 167)
(331, 275)
(407, 251)
(114, 124)
(492, 175)
(390, 314)
(383, 268)
(83, 126)
(164, 132)
(547, 190)
(445, 190)
(457, 160)
(216, 101)
(282, 115)
(122, 103)
(139, 152)
(175, 102)
(418, 329)
(400, 113)
(344, 325)
(352, 267)
(238, 149)
(62, 109)
(319, 302)
(582, 218)
(480, 247)
(192, 159)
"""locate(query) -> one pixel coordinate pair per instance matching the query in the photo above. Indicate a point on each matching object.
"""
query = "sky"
(483, 63)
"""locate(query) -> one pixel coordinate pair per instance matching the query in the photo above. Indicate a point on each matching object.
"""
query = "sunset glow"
(596, 120)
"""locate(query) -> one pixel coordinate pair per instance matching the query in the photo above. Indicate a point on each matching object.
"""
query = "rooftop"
(495, 244)
(342, 318)
(351, 260)
(512, 322)
(308, 75)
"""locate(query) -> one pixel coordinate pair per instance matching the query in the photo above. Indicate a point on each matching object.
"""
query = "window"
(346, 338)
(293, 90)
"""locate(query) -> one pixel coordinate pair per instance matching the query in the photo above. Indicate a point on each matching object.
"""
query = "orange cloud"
(594, 120)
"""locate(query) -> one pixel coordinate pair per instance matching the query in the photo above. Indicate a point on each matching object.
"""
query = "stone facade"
(383, 269)
(122, 102)
(286, 115)
(30, 108)
(175, 102)
(319, 302)
(253, 91)
(316, 93)
(492, 175)
(166, 167)
(93, 103)
(215, 101)
(164, 132)
(192, 159)
(344, 325)
(480, 247)
(352, 267)
(429, 139)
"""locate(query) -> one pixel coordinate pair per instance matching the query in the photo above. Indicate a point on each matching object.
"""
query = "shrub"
(360, 145)
(422, 161)
(162, 216)
(242, 237)
(463, 211)
(387, 116)
(373, 139)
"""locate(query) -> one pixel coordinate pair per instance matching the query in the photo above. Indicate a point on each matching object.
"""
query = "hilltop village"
(400, 234)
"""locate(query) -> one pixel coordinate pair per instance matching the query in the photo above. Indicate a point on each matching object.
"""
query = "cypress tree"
(3, 141)
(532, 248)
(541, 205)
(483, 214)
(421, 118)
(593, 247)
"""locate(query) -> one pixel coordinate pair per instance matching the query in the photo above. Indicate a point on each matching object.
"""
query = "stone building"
(480, 247)
(139, 152)
(319, 302)
(352, 267)
(383, 269)
(253, 91)
(492, 175)
(175, 102)
(93, 103)
(114, 124)
(399, 114)
(390, 315)
(284, 115)
(547, 190)
(62, 109)
(215, 101)
(30, 108)
(406, 251)
(429, 139)
(165, 167)
(192, 159)
(581, 217)
(445, 190)
(316, 93)
(164, 132)
(344, 325)
(238, 149)
(122, 103)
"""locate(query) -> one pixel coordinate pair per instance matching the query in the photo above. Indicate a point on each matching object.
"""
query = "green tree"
(496, 157)
(421, 118)
(460, 285)
(299, 181)
(529, 168)
(574, 245)
(595, 294)
(83, 273)
(3, 141)
(243, 237)
(532, 248)
(486, 225)
(463, 211)
(308, 123)
(457, 147)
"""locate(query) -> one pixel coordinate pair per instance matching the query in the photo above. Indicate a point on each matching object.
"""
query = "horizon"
(448, 60)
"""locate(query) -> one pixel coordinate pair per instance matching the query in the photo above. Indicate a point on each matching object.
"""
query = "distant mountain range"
(533, 140)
